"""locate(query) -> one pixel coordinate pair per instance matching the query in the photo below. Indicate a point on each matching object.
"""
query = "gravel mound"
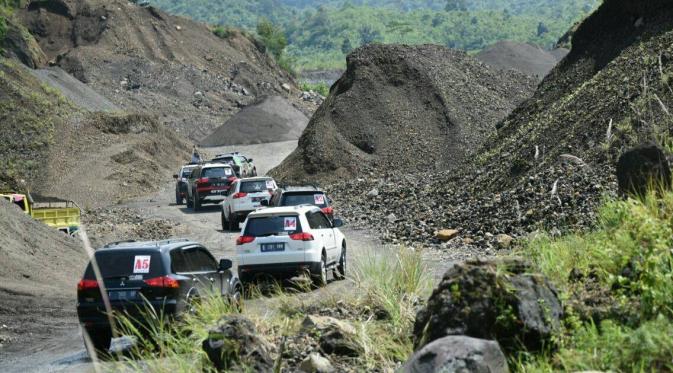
(34, 256)
(553, 160)
(271, 119)
(400, 108)
(107, 225)
(526, 58)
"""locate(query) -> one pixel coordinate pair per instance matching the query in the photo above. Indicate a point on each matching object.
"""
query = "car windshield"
(277, 225)
(256, 186)
(123, 263)
(217, 172)
(309, 198)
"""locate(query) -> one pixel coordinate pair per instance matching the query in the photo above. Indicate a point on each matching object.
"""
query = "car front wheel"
(233, 222)
(197, 202)
(189, 201)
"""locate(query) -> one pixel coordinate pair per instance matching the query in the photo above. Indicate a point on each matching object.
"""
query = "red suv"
(209, 183)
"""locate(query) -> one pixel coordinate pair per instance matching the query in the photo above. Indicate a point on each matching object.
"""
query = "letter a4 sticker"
(141, 264)
(290, 224)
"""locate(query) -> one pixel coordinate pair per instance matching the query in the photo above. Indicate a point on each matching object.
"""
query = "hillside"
(400, 109)
(143, 59)
(322, 33)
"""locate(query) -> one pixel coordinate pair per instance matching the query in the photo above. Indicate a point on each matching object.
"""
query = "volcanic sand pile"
(400, 109)
(553, 159)
(525, 58)
(143, 59)
(271, 119)
(94, 159)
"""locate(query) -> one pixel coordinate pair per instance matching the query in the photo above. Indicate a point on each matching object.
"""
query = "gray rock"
(495, 299)
(391, 218)
(316, 363)
(234, 344)
(458, 354)
(373, 193)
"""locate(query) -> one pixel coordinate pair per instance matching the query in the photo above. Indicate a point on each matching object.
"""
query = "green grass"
(630, 257)
(393, 281)
(321, 88)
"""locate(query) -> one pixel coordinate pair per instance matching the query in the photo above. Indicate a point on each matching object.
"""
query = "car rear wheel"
(233, 222)
(224, 221)
(340, 271)
(178, 198)
(197, 202)
(189, 202)
(320, 276)
(100, 339)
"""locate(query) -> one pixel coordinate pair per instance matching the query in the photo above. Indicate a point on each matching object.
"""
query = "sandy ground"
(59, 348)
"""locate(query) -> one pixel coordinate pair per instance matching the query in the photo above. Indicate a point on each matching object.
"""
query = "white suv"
(244, 197)
(289, 241)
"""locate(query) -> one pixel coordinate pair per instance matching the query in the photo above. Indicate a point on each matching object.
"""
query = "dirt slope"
(143, 59)
(94, 159)
(271, 119)
(525, 58)
(401, 108)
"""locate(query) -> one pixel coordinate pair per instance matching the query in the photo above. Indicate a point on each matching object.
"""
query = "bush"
(223, 32)
(321, 88)
(272, 37)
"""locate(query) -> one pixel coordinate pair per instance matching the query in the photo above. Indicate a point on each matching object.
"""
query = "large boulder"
(234, 345)
(335, 336)
(499, 300)
(459, 354)
(642, 168)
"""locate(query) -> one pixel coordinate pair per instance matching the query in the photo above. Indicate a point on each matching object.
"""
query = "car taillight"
(203, 180)
(327, 210)
(232, 179)
(302, 236)
(163, 282)
(239, 195)
(241, 240)
(87, 285)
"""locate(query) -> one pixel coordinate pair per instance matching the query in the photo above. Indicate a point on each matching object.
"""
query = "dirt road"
(59, 347)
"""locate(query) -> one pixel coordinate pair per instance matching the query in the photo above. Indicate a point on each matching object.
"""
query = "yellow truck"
(57, 213)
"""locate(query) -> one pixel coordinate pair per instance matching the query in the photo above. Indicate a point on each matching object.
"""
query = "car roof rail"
(117, 243)
(171, 240)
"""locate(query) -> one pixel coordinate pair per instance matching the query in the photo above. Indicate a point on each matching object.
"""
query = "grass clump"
(630, 260)
(224, 32)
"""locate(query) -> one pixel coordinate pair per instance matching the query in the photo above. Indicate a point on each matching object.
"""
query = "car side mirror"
(338, 223)
(225, 265)
(265, 203)
(249, 159)
(175, 176)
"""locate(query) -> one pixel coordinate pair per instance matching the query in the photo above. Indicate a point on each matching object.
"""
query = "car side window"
(206, 262)
(178, 263)
(324, 222)
(312, 222)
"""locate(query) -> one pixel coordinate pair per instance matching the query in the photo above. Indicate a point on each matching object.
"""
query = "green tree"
(346, 46)
(453, 5)
(369, 35)
(272, 37)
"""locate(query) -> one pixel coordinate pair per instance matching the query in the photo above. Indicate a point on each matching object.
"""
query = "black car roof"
(160, 246)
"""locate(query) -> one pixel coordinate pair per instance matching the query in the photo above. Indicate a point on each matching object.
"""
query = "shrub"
(321, 88)
(223, 32)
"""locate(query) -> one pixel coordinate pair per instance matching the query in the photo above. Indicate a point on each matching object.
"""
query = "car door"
(321, 233)
(193, 268)
(190, 182)
(180, 265)
(210, 276)
(329, 236)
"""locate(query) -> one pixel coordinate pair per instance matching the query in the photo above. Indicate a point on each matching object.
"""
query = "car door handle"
(211, 279)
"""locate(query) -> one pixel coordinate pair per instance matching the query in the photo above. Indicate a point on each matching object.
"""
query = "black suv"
(168, 275)
(302, 195)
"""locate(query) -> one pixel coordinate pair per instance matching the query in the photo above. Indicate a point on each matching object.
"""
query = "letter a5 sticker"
(141, 264)
(290, 224)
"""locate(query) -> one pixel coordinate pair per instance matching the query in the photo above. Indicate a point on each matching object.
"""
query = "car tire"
(233, 222)
(197, 202)
(189, 202)
(101, 339)
(236, 298)
(320, 274)
(340, 271)
(178, 198)
(224, 221)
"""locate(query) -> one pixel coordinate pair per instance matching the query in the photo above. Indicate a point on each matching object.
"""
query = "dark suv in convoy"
(302, 195)
(181, 182)
(208, 183)
(165, 275)
(242, 165)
